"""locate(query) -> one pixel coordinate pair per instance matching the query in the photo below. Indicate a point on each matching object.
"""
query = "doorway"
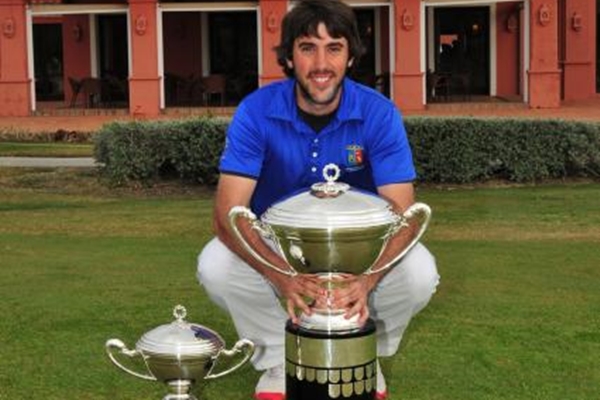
(48, 62)
(461, 56)
(373, 69)
(113, 60)
(233, 53)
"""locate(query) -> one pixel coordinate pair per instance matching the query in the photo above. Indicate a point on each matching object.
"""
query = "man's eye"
(306, 49)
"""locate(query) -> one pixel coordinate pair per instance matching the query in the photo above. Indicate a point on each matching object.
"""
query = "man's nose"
(321, 58)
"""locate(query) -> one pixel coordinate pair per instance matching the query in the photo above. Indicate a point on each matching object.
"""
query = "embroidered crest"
(354, 155)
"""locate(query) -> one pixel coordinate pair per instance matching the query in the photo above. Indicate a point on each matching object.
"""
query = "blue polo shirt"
(268, 141)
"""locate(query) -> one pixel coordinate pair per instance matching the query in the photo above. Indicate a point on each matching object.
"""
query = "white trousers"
(259, 316)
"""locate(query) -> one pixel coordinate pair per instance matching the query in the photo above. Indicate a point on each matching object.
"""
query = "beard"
(328, 98)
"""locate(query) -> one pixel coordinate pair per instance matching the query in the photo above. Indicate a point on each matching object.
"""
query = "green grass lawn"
(40, 149)
(517, 314)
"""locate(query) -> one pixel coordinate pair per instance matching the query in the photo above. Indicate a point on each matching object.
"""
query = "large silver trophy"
(331, 230)
(180, 354)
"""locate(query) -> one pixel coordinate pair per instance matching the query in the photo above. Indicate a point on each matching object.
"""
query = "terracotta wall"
(579, 63)
(508, 60)
(144, 82)
(544, 73)
(271, 13)
(407, 82)
(15, 95)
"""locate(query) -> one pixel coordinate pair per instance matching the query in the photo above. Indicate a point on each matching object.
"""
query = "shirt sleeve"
(390, 153)
(244, 146)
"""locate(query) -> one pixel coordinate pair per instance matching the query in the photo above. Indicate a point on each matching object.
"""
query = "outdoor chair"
(214, 86)
(75, 89)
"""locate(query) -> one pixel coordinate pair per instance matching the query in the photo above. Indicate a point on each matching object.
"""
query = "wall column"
(271, 14)
(579, 64)
(407, 79)
(15, 94)
(544, 74)
(144, 82)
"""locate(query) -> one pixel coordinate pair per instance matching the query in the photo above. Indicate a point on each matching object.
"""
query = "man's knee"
(213, 262)
(424, 277)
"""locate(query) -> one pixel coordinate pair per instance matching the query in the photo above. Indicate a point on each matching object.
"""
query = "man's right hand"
(296, 290)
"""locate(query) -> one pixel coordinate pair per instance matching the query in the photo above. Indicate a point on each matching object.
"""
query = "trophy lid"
(330, 204)
(181, 338)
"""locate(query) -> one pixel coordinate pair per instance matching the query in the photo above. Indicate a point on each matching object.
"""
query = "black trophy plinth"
(323, 365)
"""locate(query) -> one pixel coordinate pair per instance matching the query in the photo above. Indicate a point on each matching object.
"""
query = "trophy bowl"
(180, 354)
(330, 230)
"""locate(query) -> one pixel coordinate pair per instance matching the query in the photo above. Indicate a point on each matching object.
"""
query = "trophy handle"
(119, 345)
(264, 230)
(244, 346)
(417, 210)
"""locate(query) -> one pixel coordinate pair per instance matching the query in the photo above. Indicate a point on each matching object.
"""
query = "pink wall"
(144, 82)
(579, 64)
(407, 81)
(544, 74)
(508, 49)
(272, 12)
(15, 96)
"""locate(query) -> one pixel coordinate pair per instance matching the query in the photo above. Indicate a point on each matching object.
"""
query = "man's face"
(319, 64)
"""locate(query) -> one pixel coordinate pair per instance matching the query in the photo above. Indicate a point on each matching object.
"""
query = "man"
(278, 142)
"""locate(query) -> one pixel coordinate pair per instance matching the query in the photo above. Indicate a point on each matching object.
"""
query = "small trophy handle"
(263, 230)
(119, 345)
(242, 346)
(417, 210)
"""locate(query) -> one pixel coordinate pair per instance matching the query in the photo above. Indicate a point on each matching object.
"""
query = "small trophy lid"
(330, 204)
(181, 338)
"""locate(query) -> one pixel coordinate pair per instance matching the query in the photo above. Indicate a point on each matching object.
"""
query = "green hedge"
(147, 151)
(461, 150)
(446, 150)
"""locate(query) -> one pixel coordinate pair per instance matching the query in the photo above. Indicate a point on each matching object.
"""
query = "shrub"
(146, 151)
(446, 150)
(464, 150)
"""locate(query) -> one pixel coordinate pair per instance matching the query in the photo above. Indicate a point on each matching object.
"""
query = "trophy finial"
(179, 312)
(329, 188)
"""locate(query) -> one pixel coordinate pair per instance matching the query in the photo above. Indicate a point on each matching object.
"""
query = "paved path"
(45, 162)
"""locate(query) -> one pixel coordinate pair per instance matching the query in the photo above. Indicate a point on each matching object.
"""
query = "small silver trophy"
(180, 354)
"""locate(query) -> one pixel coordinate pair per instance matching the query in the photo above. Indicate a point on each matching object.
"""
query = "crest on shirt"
(354, 155)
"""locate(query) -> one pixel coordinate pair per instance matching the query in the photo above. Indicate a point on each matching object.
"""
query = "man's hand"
(352, 293)
(296, 290)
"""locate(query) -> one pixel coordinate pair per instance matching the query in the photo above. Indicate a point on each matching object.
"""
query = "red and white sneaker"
(381, 391)
(271, 385)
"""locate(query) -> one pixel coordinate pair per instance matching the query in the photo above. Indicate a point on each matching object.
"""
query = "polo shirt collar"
(283, 106)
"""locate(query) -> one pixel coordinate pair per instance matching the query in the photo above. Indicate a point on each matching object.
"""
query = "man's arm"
(234, 190)
(354, 295)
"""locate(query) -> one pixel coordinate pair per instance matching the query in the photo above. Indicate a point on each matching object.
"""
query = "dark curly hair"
(304, 19)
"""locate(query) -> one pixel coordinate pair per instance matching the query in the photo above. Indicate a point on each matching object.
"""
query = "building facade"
(147, 55)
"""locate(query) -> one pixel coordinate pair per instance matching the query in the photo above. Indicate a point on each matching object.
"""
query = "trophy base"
(180, 390)
(330, 365)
